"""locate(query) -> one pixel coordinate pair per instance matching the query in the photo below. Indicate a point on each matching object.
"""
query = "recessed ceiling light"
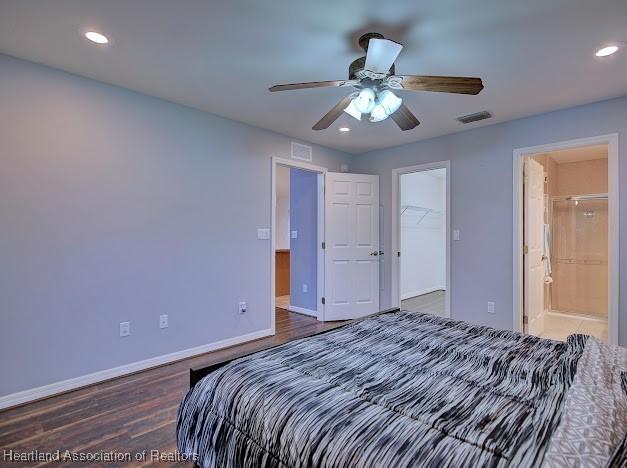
(96, 37)
(605, 51)
(345, 129)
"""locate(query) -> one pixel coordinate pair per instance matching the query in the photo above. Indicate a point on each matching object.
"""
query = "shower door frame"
(613, 223)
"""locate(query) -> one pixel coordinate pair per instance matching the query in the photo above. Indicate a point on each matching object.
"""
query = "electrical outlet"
(163, 321)
(490, 307)
(242, 307)
(125, 328)
(305, 288)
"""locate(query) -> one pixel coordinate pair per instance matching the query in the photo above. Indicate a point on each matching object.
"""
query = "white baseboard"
(45, 391)
(411, 294)
(302, 310)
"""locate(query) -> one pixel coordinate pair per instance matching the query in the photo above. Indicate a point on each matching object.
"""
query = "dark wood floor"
(128, 414)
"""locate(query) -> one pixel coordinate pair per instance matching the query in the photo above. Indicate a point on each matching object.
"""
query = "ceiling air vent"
(302, 152)
(474, 117)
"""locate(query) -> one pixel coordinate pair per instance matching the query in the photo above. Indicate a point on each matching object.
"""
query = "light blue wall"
(116, 206)
(482, 206)
(303, 249)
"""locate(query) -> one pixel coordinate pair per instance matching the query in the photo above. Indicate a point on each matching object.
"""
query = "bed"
(410, 389)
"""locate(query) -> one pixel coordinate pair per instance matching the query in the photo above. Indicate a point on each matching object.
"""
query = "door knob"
(375, 253)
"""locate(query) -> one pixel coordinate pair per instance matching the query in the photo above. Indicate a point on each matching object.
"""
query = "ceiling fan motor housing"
(358, 65)
(364, 40)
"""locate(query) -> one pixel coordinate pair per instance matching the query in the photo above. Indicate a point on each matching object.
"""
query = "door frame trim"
(396, 232)
(613, 224)
(320, 171)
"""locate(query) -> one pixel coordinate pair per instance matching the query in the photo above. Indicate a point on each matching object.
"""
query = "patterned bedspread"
(401, 389)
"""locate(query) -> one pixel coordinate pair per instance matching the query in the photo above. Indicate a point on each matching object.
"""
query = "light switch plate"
(125, 328)
(455, 234)
(263, 233)
(490, 307)
(294, 234)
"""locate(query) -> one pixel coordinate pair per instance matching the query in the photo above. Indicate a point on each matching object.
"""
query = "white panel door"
(352, 245)
(534, 242)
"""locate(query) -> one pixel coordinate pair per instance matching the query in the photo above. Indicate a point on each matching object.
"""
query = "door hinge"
(323, 300)
(525, 320)
(324, 246)
(525, 249)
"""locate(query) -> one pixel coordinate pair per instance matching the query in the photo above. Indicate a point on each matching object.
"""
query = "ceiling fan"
(374, 78)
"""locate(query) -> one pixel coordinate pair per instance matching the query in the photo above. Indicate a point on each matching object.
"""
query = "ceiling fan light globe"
(378, 114)
(352, 110)
(389, 101)
(365, 101)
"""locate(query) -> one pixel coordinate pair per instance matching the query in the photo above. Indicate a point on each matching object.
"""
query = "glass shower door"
(579, 256)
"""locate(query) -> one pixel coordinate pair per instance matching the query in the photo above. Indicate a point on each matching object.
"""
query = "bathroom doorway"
(566, 243)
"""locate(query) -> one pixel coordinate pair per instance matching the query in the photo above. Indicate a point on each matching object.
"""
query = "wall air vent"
(474, 117)
(302, 152)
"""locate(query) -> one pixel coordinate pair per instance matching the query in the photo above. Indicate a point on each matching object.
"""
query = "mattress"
(411, 389)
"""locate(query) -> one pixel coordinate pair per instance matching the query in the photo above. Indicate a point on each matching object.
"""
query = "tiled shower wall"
(580, 237)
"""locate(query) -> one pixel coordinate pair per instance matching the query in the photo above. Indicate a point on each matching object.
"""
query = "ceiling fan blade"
(404, 118)
(313, 84)
(333, 114)
(381, 55)
(439, 84)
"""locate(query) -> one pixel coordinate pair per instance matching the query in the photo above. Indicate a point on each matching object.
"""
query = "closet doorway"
(421, 260)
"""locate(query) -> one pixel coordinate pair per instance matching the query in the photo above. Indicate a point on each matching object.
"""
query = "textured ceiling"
(534, 56)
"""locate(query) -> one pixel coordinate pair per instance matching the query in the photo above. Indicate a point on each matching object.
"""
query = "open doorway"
(296, 240)
(282, 230)
(421, 279)
(568, 220)
(340, 265)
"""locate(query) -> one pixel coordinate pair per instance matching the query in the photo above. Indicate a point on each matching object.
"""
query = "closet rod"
(420, 208)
